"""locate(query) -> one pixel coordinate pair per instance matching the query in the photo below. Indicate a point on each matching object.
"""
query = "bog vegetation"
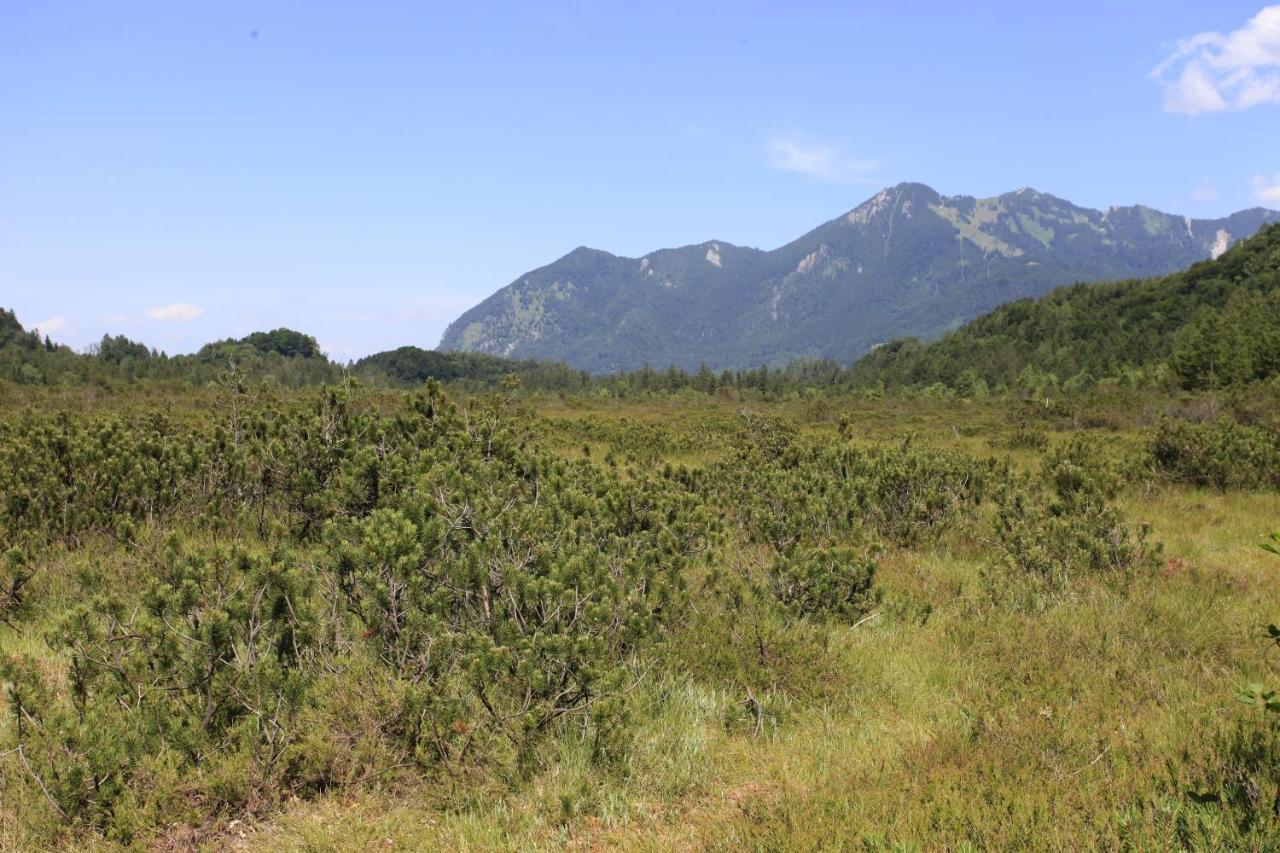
(261, 605)
(523, 611)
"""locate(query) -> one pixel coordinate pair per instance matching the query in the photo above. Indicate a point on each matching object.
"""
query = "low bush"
(1220, 454)
(1064, 525)
(1025, 434)
(209, 666)
(789, 491)
(836, 581)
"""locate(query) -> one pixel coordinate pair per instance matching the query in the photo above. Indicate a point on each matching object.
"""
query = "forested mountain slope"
(1217, 323)
(906, 263)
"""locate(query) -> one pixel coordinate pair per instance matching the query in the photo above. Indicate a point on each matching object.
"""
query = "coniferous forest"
(1010, 588)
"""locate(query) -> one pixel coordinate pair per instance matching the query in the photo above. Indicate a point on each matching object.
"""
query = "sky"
(365, 172)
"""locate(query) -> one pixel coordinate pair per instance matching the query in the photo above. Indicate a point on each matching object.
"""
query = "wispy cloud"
(1267, 188)
(1213, 71)
(178, 312)
(53, 325)
(1204, 192)
(795, 153)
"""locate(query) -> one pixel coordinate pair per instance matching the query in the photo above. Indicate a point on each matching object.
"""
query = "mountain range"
(908, 262)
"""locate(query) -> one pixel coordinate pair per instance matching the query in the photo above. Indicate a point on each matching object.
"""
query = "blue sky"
(180, 172)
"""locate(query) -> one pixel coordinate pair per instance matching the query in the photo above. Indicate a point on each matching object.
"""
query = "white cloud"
(1204, 192)
(178, 312)
(1267, 189)
(824, 162)
(1213, 71)
(56, 323)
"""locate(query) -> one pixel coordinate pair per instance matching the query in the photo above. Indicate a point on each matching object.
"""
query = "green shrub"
(909, 494)
(61, 479)
(1025, 435)
(208, 667)
(835, 581)
(789, 491)
(17, 569)
(1221, 454)
(508, 590)
(1068, 527)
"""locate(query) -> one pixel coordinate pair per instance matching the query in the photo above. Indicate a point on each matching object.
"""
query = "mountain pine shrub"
(1066, 526)
(1220, 454)
(203, 675)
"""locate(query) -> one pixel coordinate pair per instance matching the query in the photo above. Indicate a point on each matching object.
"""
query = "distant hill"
(1213, 325)
(906, 263)
(285, 343)
(411, 366)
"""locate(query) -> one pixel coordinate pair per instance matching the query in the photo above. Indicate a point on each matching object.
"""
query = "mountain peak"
(912, 188)
(1033, 196)
(586, 253)
(891, 198)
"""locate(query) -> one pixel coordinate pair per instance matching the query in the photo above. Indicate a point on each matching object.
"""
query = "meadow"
(244, 617)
